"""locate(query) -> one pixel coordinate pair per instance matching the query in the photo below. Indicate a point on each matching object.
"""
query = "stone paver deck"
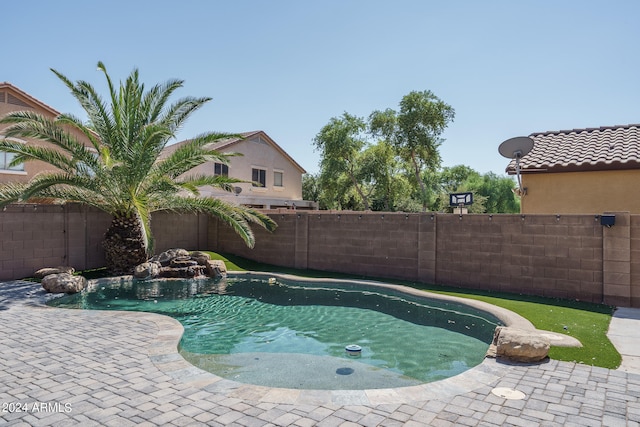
(67, 367)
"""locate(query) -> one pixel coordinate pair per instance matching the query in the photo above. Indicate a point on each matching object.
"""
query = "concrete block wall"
(174, 230)
(565, 256)
(547, 255)
(634, 267)
(31, 236)
(37, 236)
(368, 244)
(568, 256)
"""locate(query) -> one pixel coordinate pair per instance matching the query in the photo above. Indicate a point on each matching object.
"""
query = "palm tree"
(122, 171)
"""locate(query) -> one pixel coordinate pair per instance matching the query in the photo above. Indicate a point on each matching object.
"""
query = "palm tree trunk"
(124, 245)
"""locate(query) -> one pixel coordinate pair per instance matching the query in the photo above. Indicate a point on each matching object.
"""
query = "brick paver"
(70, 367)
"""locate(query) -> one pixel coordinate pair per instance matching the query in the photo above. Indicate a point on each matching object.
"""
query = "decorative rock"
(63, 283)
(201, 257)
(167, 256)
(216, 268)
(146, 270)
(520, 345)
(183, 261)
(179, 263)
(43, 272)
(181, 272)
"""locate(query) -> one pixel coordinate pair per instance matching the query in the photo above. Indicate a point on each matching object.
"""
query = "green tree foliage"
(385, 178)
(340, 143)
(122, 172)
(491, 193)
(393, 164)
(415, 132)
(460, 179)
(500, 195)
(311, 187)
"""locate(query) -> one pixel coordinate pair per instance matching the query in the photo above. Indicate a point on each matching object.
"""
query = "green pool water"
(282, 333)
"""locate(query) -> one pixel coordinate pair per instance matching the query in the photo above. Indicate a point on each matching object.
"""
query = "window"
(277, 179)
(221, 169)
(259, 177)
(6, 158)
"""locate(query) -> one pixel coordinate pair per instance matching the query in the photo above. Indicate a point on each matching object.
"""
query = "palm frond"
(179, 111)
(256, 217)
(141, 207)
(191, 154)
(97, 111)
(24, 153)
(226, 212)
(11, 193)
(218, 181)
(158, 96)
(76, 123)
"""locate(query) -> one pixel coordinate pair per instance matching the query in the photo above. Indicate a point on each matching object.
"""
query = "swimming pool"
(287, 333)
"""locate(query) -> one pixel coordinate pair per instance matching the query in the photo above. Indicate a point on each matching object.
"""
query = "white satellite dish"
(516, 148)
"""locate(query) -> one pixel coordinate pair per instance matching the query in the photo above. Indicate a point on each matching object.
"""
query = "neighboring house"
(274, 179)
(592, 170)
(14, 99)
(277, 177)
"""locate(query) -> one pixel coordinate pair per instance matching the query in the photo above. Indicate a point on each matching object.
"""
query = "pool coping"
(163, 353)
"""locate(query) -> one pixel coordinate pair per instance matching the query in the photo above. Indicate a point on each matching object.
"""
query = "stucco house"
(274, 179)
(14, 99)
(279, 176)
(593, 170)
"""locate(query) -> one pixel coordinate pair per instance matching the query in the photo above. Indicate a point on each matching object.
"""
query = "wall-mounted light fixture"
(608, 220)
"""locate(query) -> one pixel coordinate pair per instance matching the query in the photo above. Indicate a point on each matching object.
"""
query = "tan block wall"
(567, 256)
(547, 255)
(172, 230)
(581, 192)
(37, 236)
(634, 268)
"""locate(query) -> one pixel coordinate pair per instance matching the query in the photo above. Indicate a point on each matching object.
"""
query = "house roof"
(590, 149)
(26, 98)
(226, 144)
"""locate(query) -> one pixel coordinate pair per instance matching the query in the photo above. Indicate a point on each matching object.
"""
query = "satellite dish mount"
(516, 148)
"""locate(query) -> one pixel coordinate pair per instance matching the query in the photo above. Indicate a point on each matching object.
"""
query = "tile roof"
(603, 148)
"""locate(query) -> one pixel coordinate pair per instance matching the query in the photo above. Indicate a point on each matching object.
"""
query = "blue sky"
(508, 68)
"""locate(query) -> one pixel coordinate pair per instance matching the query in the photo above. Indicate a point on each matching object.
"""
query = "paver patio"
(69, 367)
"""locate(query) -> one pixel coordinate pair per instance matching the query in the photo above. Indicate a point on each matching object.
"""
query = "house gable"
(256, 137)
(14, 99)
(261, 160)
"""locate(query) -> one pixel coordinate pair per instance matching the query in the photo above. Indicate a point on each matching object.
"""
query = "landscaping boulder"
(216, 268)
(520, 345)
(63, 283)
(180, 263)
(165, 258)
(200, 257)
(183, 261)
(40, 274)
(146, 270)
